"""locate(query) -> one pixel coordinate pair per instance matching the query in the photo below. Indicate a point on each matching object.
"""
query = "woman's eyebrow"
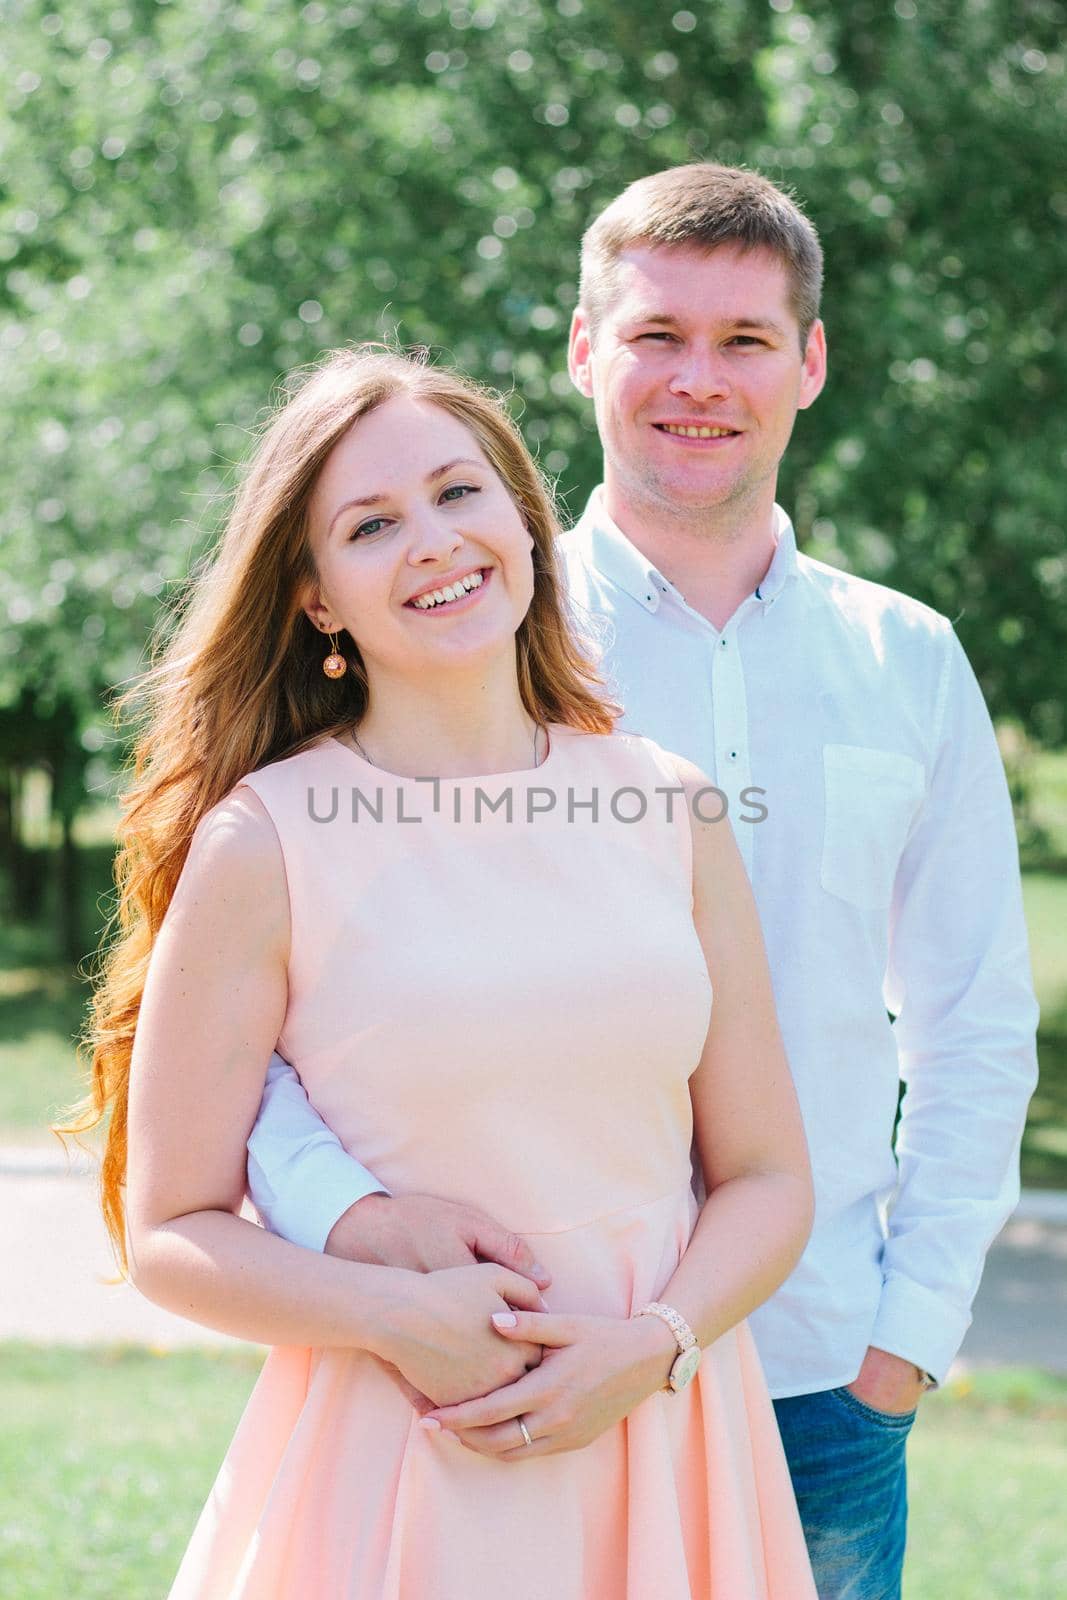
(374, 499)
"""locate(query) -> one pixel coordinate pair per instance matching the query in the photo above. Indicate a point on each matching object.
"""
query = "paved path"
(56, 1261)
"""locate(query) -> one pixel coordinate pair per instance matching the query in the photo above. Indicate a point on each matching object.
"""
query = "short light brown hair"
(706, 205)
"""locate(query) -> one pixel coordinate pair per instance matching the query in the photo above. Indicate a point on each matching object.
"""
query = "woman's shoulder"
(628, 748)
(234, 855)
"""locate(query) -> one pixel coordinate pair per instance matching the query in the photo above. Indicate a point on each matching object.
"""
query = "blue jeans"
(847, 1464)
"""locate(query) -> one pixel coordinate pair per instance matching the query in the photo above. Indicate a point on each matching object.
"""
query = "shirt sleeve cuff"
(917, 1325)
(306, 1218)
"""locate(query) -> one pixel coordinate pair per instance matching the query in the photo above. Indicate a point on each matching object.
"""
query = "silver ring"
(525, 1431)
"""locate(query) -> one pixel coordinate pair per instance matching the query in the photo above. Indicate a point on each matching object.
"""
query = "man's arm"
(959, 983)
(308, 1189)
(301, 1179)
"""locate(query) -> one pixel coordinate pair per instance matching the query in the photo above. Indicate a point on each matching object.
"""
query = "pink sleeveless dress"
(505, 1013)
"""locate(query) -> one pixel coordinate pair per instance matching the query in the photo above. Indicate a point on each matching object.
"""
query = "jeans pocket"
(897, 1421)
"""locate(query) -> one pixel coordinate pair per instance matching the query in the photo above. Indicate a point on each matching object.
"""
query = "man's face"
(695, 339)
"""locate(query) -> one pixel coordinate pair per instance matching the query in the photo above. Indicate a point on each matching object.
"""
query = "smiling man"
(883, 863)
(696, 365)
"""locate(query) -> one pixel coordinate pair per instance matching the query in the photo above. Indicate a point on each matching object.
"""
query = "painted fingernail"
(430, 1424)
(538, 1270)
(505, 1319)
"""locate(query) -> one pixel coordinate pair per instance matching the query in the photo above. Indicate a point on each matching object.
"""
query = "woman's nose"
(435, 536)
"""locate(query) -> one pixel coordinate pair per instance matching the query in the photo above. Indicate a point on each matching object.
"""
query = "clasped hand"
(594, 1371)
(569, 1377)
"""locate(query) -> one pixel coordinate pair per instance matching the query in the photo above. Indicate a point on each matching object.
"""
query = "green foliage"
(196, 197)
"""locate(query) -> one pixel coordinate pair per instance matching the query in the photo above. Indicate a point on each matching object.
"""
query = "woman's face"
(407, 504)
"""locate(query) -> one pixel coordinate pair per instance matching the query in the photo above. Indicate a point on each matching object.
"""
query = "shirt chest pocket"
(871, 800)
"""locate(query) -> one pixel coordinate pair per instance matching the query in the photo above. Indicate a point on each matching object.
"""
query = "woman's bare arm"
(213, 1005)
(756, 1220)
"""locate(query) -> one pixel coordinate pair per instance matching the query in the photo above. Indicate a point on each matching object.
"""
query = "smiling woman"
(208, 711)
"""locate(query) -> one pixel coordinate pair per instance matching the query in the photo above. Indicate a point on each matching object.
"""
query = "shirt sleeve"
(959, 983)
(301, 1179)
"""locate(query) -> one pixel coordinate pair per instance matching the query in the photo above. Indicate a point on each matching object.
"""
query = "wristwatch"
(688, 1358)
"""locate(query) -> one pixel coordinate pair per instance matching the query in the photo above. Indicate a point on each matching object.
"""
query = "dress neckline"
(554, 730)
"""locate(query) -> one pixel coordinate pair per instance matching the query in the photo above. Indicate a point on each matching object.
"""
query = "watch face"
(684, 1368)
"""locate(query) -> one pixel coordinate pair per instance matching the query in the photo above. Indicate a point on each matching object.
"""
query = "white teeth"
(453, 591)
(697, 432)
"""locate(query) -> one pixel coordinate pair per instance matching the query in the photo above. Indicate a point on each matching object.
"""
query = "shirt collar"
(609, 552)
(784, 561)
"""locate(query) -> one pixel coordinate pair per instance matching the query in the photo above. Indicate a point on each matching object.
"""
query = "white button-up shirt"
(858, 767)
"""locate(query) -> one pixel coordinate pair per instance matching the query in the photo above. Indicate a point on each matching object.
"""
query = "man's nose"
(701, 374)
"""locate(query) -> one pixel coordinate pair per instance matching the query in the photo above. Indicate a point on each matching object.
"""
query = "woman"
(501, 1000)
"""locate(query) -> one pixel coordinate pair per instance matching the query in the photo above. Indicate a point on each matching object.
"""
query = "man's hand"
(888, 1383)
(423, 1233)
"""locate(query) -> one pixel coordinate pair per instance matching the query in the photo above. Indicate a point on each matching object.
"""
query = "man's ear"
(580, 354)
(813, 372)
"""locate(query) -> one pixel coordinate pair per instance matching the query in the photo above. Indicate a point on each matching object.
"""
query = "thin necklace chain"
(367, 759)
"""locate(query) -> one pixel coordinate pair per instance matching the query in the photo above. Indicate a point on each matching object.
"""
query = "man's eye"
(745, 338)
(660, 334)
(369, 528)
(456, 490)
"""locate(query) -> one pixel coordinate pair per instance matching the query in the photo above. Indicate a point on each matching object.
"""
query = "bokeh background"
(197, 196)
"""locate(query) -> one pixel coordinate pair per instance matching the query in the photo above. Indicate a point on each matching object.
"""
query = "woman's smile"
(455, 595)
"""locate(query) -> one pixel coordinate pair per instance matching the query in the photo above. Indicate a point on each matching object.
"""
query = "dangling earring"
(335, 665)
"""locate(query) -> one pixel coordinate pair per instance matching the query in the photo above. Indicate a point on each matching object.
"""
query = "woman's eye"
(369, 528)
(457, 490)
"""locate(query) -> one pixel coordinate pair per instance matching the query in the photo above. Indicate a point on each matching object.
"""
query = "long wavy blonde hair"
(236, 680)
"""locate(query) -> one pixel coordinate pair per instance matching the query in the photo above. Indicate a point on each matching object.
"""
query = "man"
(843, 724)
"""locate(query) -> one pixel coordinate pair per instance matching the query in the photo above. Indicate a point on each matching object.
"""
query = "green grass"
(41, 1010)
(987, 1463)
(1045, 814)
(1045, 1139)
(106, 1458)
(43, 1005)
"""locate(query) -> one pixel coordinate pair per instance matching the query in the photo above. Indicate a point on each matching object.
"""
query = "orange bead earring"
(335, 665)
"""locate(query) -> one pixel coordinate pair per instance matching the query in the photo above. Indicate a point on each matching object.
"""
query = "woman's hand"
(595, 1371)
(441, 1340)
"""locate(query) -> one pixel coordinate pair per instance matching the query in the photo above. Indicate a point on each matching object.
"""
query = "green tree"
(196, 197)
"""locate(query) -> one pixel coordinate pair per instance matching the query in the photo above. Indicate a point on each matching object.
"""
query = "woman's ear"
(318, 612)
